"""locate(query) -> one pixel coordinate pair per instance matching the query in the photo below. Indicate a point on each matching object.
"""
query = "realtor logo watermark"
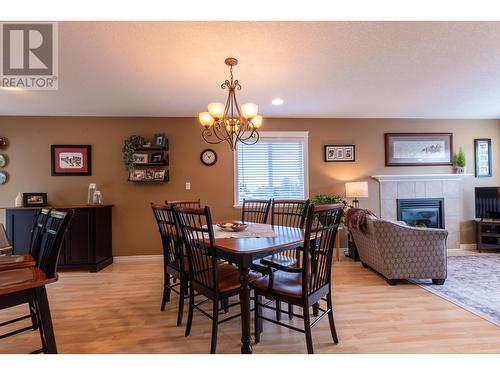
(29, 56)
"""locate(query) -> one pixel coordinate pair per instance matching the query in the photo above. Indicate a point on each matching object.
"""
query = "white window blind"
(274, 167)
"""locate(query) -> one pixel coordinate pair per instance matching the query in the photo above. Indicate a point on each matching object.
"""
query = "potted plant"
(331, 199)
(129, 146)
(460, 162)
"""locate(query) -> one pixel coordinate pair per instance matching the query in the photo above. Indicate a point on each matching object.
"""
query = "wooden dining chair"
(27, 285)
(5, 246)
(175, 265)
(29, 259)
(208, 277)
(308, 284)
(287, 213)
(186, 203)
(255, 210)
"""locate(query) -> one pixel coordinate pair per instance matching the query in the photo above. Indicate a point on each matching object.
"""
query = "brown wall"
(134, 229)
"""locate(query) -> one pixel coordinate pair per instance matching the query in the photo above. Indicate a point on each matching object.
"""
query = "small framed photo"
(137, 175)
(339, 153)
(71, 160)
(482, 157)
(149, 174)
(34, 199)
(157, 157)
(159, 140)
(159, 175)
(140, 158)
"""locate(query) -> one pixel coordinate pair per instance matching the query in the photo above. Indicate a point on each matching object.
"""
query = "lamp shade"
(357, 189)
(249, 110)
(216, 110)
(205, 119)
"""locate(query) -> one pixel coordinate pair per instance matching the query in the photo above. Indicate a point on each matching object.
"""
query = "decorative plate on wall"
(3, 161)
(3, 178)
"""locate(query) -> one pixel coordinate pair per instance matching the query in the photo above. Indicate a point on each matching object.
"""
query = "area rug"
(473, 283)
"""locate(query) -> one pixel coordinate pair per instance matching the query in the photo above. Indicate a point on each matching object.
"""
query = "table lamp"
(356, 190)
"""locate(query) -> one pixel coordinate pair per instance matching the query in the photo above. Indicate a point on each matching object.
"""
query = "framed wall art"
(339, 153)
(71, 160)
(482, 157)
(34, 199)
(418, 149)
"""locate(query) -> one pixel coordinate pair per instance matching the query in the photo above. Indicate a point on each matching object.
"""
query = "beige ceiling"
(320, 69)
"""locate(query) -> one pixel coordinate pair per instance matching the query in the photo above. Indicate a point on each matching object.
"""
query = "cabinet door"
(79, 238)
(19, 224)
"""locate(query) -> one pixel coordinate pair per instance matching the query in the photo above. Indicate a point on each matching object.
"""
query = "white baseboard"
(468, 246)
(133, 258)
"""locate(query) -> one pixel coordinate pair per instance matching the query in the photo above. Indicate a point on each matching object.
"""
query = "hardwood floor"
(117, 311)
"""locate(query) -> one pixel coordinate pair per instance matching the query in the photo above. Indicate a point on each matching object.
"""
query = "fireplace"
(421, 212)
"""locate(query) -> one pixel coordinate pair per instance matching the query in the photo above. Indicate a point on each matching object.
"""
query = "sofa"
(398, 251)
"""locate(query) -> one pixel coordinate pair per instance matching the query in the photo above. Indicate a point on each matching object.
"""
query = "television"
(487, 202)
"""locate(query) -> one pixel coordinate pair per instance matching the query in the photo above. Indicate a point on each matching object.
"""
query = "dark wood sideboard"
(87, 244)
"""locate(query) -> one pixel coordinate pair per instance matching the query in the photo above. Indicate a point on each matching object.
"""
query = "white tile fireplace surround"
(445, 186)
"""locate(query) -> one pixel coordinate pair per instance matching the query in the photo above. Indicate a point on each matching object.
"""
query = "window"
(274, 167)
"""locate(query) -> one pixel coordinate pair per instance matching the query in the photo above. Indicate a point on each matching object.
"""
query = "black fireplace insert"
(422, 212)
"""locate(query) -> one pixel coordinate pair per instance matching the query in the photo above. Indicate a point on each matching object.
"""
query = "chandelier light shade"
(227, 122)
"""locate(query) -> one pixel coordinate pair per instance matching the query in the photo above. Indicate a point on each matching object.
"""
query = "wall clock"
(208, 157)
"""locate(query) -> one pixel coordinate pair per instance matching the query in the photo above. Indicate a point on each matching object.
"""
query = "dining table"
(242, 249)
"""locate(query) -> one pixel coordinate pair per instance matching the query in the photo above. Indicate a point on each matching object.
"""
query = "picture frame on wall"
(339, 153)
(418, 149)
(140, 158)
(35, 199)
(159, 140)
(71, 160)
(482, 157)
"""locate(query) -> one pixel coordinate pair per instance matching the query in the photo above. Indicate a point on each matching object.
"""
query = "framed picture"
(159, 140)
(418, 149)
(71, 160)
(140, 158)
(159, 175)
(339, 153)
(34, 199)
(149, 174)
(482, 157)
(157, 157)
(137, 175)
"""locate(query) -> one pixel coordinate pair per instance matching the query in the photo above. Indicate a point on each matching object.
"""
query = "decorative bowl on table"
(232, 227)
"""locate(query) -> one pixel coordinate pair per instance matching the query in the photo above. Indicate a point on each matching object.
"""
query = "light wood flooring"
(117, 311)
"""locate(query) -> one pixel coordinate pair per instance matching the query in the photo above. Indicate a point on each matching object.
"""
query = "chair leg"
(226, 305)
(34, 318)
(278, 312)
(330, 318)
(166, 292)
(290, 311)
(190, 313)
(257, 321)
(316, 309)
(46, 328)
(307, 328)
(438, 281)
(215, 323)
(181, 303)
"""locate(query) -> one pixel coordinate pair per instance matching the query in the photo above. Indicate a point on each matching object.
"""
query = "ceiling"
(320, 69)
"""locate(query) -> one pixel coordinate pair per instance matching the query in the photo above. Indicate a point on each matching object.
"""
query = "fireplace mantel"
(419, 177)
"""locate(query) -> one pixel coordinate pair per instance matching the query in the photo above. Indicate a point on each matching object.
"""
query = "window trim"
(279, 135)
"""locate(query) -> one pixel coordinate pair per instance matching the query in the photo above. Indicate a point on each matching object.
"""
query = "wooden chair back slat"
(170, 235)
(255, 210)
(321, 225)
(51, 241)
(197, 231)
(37, 230)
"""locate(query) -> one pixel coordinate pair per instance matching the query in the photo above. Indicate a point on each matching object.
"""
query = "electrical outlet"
(188, 185)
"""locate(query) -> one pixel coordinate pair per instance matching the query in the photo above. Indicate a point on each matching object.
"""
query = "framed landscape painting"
(71, 160)
(418, 149)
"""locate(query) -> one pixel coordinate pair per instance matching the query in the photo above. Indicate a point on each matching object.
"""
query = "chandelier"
(226, 122)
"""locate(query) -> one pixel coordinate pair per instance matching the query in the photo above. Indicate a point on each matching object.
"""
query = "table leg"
(246, 340)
